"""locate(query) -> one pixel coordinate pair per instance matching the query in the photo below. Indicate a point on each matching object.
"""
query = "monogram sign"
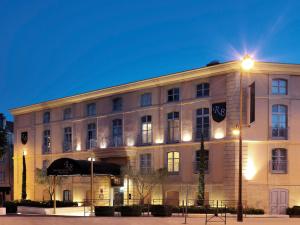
(219, 111)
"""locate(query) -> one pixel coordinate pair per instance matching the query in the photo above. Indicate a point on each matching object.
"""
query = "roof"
(208, 71)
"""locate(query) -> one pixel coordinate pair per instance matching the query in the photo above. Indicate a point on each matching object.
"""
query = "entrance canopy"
(72, 167)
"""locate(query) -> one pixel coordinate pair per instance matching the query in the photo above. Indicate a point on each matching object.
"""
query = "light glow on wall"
(250, 169)
(130, 142)
(103, 144)
(78, 147)
(187, 137)
(219, 134)
(159, 140)
(24, 152)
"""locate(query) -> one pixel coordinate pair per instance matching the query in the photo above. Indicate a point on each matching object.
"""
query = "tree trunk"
(201, 185)
(24, 194)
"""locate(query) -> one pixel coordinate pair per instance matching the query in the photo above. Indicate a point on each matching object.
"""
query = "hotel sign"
(219, 111)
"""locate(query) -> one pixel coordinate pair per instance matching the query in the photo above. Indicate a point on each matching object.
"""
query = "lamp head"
(247, 63)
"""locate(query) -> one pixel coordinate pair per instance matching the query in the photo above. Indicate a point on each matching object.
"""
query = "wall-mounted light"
(219, 134)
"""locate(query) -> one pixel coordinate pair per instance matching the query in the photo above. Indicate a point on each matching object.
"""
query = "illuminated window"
(146, 99)
(91, 109)
(46, 141)
(173, 162)
(279, 121)
(146, 129)
(67, 113)
(117, 132)
(202, 123)
(117, 104)
(91, 136)
(279, 87)
(173, 95)
(202, 90)
(67, 146)
(173, 127)
(46, 117)
(279, 160)
(145, 163)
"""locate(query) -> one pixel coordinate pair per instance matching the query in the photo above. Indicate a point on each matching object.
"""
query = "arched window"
(279, 160)
(279, 121)
(279, 87)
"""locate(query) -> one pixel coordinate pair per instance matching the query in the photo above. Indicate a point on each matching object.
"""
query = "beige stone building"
(157, 123)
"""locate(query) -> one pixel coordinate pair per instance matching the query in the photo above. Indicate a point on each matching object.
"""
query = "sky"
(53, 49)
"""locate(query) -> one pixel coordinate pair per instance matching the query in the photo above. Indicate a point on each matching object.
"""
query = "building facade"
(158, 123)
(6, 162)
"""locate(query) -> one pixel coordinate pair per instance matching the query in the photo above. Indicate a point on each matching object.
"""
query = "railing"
(91, 144)
(196, 167)
(143, 140)
(115, 141)
(278, 133)
(278, 166)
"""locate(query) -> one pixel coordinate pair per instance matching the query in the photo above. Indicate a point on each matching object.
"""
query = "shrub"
(11, 207)
(47, 204)
(294, 211)
(104, 211)
(133, 210)
(254, 211)
(161, 210)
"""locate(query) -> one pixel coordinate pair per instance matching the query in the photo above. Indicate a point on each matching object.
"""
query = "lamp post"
(246, 65)
(92, 159)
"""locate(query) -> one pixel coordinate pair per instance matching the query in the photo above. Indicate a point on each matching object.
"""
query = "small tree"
(201, 183)
(3, 141)
(47, 181)
(146, 182)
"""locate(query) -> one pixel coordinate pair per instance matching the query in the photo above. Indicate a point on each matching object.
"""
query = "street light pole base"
(240, 213)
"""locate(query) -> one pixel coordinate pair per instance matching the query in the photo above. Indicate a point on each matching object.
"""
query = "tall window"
(202, 123)
(67, 113)
(279, 121)
(66, 195)
(173, 127)
(91, 109)
(173, 95)
(145, 163)
(91, 136)
(279, 87)
(2, 177)
(46, 117)
(202, 90)
(46, 141)
(117, 132)
(117, 104)
(197, 161)
(67, 146)
(279, 160)
(146, 129)
(146, 99)
(173, 162)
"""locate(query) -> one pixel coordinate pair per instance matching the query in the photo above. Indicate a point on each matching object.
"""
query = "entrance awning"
(72, 167)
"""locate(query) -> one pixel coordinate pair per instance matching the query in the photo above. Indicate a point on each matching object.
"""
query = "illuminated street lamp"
(92, 160)
(247, 64)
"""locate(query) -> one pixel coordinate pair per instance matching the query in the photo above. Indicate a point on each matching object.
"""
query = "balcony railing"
(278, 133)
(143, 140)
(115, 141)
(92, 144)
(278, 166)
(196, 166)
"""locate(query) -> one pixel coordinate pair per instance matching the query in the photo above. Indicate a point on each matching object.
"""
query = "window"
(202, 123)
(279, 160)
(117, 133)
(146, 129)
(146, 99)
(66, 195)
(91, 109)
(67, 113)
(46, 141)
(2, 177)
(67, 139)
(117, 104)
(279, 121)
(91, 136)
(46, 117)
(279, 87)
(173, 127)
(202, 90)
(173, 95)
(197, 161)
(145, 163)
(173, 162)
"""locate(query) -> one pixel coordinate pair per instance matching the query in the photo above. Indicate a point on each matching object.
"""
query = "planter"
(2, 211)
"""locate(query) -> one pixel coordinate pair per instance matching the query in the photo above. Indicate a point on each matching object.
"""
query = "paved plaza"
(57, 220)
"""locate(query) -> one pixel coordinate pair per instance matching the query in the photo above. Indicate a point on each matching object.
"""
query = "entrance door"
(172, 198)
(278, 201)
(118, 196)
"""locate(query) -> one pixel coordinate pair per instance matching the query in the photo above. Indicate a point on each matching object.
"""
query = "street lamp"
(246, 65)
(92, 160)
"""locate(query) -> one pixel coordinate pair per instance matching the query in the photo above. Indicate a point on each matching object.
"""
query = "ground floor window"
(66, 195)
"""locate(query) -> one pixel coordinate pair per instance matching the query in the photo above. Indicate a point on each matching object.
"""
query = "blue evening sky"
(52, 49)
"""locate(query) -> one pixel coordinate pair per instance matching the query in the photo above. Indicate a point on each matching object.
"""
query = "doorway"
(279, 199)
(172, 198)
(118, 196)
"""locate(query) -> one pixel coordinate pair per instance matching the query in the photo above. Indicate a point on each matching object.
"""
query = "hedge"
(212, 210)
(11, 207)
(104, 211)
(161, 210)
(133, 210)
(294, 211)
